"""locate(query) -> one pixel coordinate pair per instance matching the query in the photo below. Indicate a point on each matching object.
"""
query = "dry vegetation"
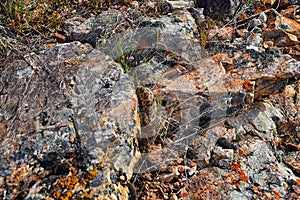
(28, 24)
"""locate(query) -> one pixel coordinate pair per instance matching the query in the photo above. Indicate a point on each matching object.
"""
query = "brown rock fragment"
(60, 38)
(183, 193)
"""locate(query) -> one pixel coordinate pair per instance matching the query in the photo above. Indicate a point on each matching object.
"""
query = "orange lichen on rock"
(87, 196)
(70, 182)
(56, 194)
(73, 170)
(277, 194)
(92, 174)
(66, 196)
(65, 183)
(238, 170)
(60, 183)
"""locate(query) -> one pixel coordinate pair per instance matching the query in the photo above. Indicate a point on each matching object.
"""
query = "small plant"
(162, 132)
(127, 68)
(159, 102)
(127, 62)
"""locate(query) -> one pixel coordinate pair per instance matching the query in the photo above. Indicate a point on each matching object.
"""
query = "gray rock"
(89, 30)
(180, 4)
(262, 157)
(219, 8)
(71, 112)
(176, 33)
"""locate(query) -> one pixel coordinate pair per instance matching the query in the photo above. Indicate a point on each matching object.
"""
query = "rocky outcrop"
(146, 113)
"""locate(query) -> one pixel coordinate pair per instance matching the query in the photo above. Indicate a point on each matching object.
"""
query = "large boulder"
(68, 125)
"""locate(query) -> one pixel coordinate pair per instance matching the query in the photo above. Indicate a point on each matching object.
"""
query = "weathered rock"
(284, 31)
(258, 122)
(212, 183)
(284, 68)
(193, 99)
(69, 119)
(250, 167)
(176, 33)
(77, 137)
(180, 4)
(266, 77)
(94, 28)
(218, 9)
(265, 174)
(158, 44)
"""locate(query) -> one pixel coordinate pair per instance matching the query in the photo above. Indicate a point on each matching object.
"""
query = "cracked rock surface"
(224, 120)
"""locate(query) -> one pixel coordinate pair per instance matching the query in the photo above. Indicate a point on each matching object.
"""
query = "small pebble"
(192, 170)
